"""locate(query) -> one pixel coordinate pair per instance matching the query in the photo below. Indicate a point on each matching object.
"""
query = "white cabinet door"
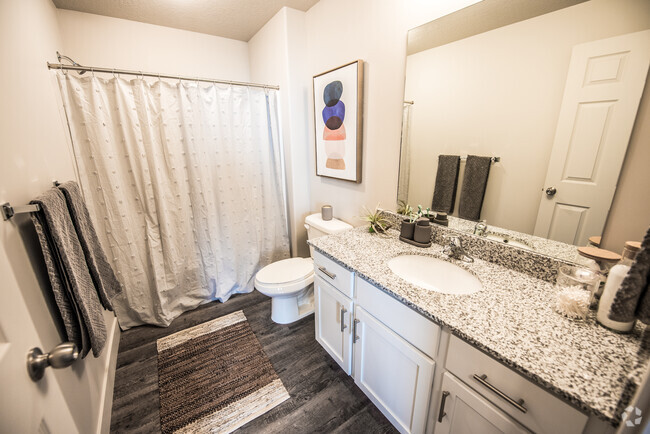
(333, 312)
(463, 411)
(392, 373)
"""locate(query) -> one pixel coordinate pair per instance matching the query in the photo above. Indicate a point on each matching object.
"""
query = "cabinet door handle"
(327, 273)
(355, 338)
(343, 326)
(441, 412)
(519, 405)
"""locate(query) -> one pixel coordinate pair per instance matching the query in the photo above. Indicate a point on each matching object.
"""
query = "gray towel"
(67, 262)
(100, 270)
(444, 194)
(633, 298)
(477, 170)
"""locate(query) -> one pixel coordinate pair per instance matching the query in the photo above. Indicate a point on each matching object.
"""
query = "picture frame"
(338, 122)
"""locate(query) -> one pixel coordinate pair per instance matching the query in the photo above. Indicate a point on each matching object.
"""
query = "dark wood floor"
(323, 397)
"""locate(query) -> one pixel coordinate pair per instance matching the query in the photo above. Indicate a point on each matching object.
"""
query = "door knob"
(62, 356)
(550, 192)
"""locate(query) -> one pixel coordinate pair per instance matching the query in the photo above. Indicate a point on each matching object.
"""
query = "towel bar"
(9, 211)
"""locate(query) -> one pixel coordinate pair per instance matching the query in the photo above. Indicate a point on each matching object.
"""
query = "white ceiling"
(235, 19)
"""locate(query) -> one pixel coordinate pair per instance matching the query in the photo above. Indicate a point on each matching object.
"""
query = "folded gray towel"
(68, 262)
(444, 194)
(633, 298)
(100, 270)
(477, 170)
(73, 322)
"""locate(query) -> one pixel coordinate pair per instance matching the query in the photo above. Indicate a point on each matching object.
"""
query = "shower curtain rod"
(152, 74)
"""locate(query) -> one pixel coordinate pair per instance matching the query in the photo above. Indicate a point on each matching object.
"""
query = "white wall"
(96, 40)
(499, 94)
(277, 54)
(338, 32)
(33, 152)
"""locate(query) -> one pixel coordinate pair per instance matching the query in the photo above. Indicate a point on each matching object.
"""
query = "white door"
(25, 406)
(392, 373)
(601, 96)
(464, 411)
(333, 312)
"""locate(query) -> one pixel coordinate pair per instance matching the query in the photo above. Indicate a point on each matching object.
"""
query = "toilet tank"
(317, 227)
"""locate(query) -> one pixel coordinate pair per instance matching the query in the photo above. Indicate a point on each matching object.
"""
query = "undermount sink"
(435, 274)
(507, 240)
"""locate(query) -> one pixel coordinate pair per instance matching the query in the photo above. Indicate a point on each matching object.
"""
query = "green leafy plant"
(378, 224)
(404, 208)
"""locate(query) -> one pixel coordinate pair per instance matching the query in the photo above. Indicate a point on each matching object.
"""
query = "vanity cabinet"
(395, 375)
(463, 410)
(388, 348)
(332, 315)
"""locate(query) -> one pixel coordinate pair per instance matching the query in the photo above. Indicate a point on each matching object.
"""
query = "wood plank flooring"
(323, 397)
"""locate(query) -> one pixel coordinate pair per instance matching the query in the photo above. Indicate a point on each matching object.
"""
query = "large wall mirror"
(557, 117)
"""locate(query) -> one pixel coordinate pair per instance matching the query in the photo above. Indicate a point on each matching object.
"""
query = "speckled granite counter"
(513, 320)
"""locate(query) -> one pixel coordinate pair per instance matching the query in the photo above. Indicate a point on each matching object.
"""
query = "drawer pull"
(327, 273)
(343, 326)
(519, 405)
(442, 413)
(355, 338)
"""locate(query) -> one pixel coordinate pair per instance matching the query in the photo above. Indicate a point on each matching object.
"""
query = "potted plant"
(378, 224)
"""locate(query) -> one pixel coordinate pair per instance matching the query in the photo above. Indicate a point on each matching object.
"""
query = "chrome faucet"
(455, 250)
(480, 228)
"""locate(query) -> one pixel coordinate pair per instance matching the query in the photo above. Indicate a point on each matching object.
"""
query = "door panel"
(392, 373)
(332, 314)
(601, 97)
(467, 412)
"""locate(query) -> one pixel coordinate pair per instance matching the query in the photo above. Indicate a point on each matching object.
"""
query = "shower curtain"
(184, 183)
(405, 156)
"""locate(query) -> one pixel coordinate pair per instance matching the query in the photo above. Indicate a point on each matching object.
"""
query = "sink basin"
(507, 240)
(435, 274)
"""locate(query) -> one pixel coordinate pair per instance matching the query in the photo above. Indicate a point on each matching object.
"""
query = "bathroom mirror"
(490, 80)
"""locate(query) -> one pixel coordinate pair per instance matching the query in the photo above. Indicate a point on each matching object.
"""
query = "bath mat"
(215, 377)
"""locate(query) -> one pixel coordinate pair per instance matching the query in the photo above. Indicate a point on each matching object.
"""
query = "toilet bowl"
(290, 282)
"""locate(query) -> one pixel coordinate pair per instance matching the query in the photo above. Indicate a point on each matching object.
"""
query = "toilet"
(290, 282)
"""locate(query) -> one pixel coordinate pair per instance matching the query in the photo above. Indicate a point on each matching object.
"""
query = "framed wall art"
(338, 119)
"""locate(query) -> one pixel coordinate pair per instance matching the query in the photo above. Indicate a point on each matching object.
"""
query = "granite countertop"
(513, 320)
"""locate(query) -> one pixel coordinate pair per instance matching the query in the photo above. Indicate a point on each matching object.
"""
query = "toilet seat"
(285, 277)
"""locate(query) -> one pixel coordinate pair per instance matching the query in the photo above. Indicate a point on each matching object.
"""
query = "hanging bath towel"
(67, 263)
(444, 194)
(100, 270)
(477, 170)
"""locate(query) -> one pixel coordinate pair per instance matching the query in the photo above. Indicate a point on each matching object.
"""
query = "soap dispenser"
(614, 280)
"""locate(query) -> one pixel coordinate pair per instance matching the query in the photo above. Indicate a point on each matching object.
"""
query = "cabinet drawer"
(421, 332)
(544, 413)
(334, 274)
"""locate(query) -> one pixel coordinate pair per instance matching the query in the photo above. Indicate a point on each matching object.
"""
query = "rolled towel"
(477, 170)
(633, 297)
(444, 194)
(59, 237)
(100, 270)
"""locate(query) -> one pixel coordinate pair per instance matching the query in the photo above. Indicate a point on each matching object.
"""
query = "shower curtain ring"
(92, 72)
(114, 76)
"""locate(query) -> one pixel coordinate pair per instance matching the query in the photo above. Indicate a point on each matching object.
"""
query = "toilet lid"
(286, 270)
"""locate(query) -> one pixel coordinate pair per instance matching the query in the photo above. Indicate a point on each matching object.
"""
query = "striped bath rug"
(215, 377)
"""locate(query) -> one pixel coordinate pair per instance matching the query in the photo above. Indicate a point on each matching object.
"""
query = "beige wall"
(277, 54)
(338, 32)
(33, 152)
(499, 94)
(115, 43)
(629, 216)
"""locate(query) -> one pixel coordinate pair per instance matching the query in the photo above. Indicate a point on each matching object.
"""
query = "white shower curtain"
(184, 183)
